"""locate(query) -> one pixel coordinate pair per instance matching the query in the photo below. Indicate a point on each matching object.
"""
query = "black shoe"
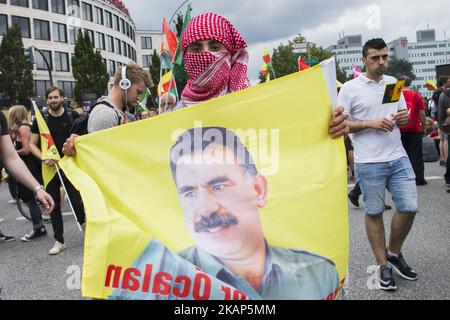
(401, 267)
(353, 199)
(4, 239)
(34, 234)
(387, 281)
(421, 182)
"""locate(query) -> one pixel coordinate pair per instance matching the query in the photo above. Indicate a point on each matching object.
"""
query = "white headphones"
(125, 83)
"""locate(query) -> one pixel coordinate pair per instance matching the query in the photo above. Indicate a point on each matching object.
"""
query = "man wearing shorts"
(381, 161)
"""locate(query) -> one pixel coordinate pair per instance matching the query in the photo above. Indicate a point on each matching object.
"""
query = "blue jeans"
(396, 176)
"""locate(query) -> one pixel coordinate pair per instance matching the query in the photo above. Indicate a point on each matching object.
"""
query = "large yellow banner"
(240, 197)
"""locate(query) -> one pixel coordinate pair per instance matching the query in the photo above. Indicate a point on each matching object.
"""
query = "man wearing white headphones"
(129, 83)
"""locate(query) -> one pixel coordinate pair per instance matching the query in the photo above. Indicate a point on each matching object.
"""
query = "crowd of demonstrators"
(380, 161)
(21, 134)
(15, 166)
(59, 121)
(412, 132)
(443, 84)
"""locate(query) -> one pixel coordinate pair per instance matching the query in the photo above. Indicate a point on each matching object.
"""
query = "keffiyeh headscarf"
(212, 74)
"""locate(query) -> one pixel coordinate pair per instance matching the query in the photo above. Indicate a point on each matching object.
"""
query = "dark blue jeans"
(36, 214)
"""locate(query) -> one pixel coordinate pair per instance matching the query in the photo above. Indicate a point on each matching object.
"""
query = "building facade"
(425, 55)
(51, 27)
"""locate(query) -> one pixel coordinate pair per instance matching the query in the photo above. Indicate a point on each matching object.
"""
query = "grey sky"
(267, 23)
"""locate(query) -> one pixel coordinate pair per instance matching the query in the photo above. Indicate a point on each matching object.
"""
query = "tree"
(400, 67)
(155, 73)
(89, 70)
(16, 77)
(181, 75)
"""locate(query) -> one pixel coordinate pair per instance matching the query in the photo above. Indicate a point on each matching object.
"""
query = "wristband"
(37, 188)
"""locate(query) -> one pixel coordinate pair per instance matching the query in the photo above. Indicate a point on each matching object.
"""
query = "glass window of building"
(122, 26)
(67, 87)
(98, 15)
(20, 3)
(146, 42)
(62, 61)
(100, 41)
(124, 49)
(3, 24)
(118, 47)
(40, 4)
(59, 6)
(129, 51)
(40, 61)
(90, 35)
(87, 12)
(59, 32)
(23, 24)
(116, 23)
(40, 87)
(146, 61)
(111, 68)
(109, 19)
(73, 34)
(41, 29)
(74, 9)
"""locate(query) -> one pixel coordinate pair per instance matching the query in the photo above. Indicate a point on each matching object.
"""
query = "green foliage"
(88, 68)
(285, 61)
(16, 77)
(400, 67)
(155, 73)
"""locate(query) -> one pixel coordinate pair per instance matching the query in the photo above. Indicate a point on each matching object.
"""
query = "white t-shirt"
(362, 99)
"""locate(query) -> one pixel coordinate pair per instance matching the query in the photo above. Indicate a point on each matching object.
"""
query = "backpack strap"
(106, 103)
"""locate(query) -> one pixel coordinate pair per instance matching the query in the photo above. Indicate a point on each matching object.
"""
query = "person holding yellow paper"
(381, 161)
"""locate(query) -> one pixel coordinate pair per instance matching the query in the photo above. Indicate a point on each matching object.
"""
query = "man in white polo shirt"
(380, 160)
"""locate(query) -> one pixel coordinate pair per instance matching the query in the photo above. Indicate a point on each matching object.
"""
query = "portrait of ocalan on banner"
(220, 192)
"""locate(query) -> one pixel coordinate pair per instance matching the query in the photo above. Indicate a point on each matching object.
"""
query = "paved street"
(28, 272)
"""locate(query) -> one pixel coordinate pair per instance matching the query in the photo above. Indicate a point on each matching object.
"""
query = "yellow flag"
(273, 186)
(48, 148)
(166, 84)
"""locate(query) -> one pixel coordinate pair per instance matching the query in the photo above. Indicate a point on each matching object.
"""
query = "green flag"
(178, 68)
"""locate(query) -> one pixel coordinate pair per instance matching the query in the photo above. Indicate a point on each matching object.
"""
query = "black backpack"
(69, 111)
(80, 125)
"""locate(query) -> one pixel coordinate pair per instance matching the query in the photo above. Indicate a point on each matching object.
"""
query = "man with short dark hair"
(412, 133)
(59, 121)
(380, 160)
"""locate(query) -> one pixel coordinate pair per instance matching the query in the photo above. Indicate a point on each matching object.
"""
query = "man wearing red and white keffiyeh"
(215, 59)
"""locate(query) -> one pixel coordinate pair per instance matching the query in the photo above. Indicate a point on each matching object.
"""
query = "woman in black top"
(18, 119)
(10, 159)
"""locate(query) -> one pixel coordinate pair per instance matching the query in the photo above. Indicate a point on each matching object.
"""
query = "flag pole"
(68, 198)
(159, 97)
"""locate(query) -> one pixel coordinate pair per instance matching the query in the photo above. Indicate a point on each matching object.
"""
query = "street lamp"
(30, 50)
(181, 5)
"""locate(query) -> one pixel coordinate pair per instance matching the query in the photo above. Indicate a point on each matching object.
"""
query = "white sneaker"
(12, 201)
(57, 249)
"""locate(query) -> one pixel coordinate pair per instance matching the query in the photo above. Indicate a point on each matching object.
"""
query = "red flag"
(169, 42)
(302, 64)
